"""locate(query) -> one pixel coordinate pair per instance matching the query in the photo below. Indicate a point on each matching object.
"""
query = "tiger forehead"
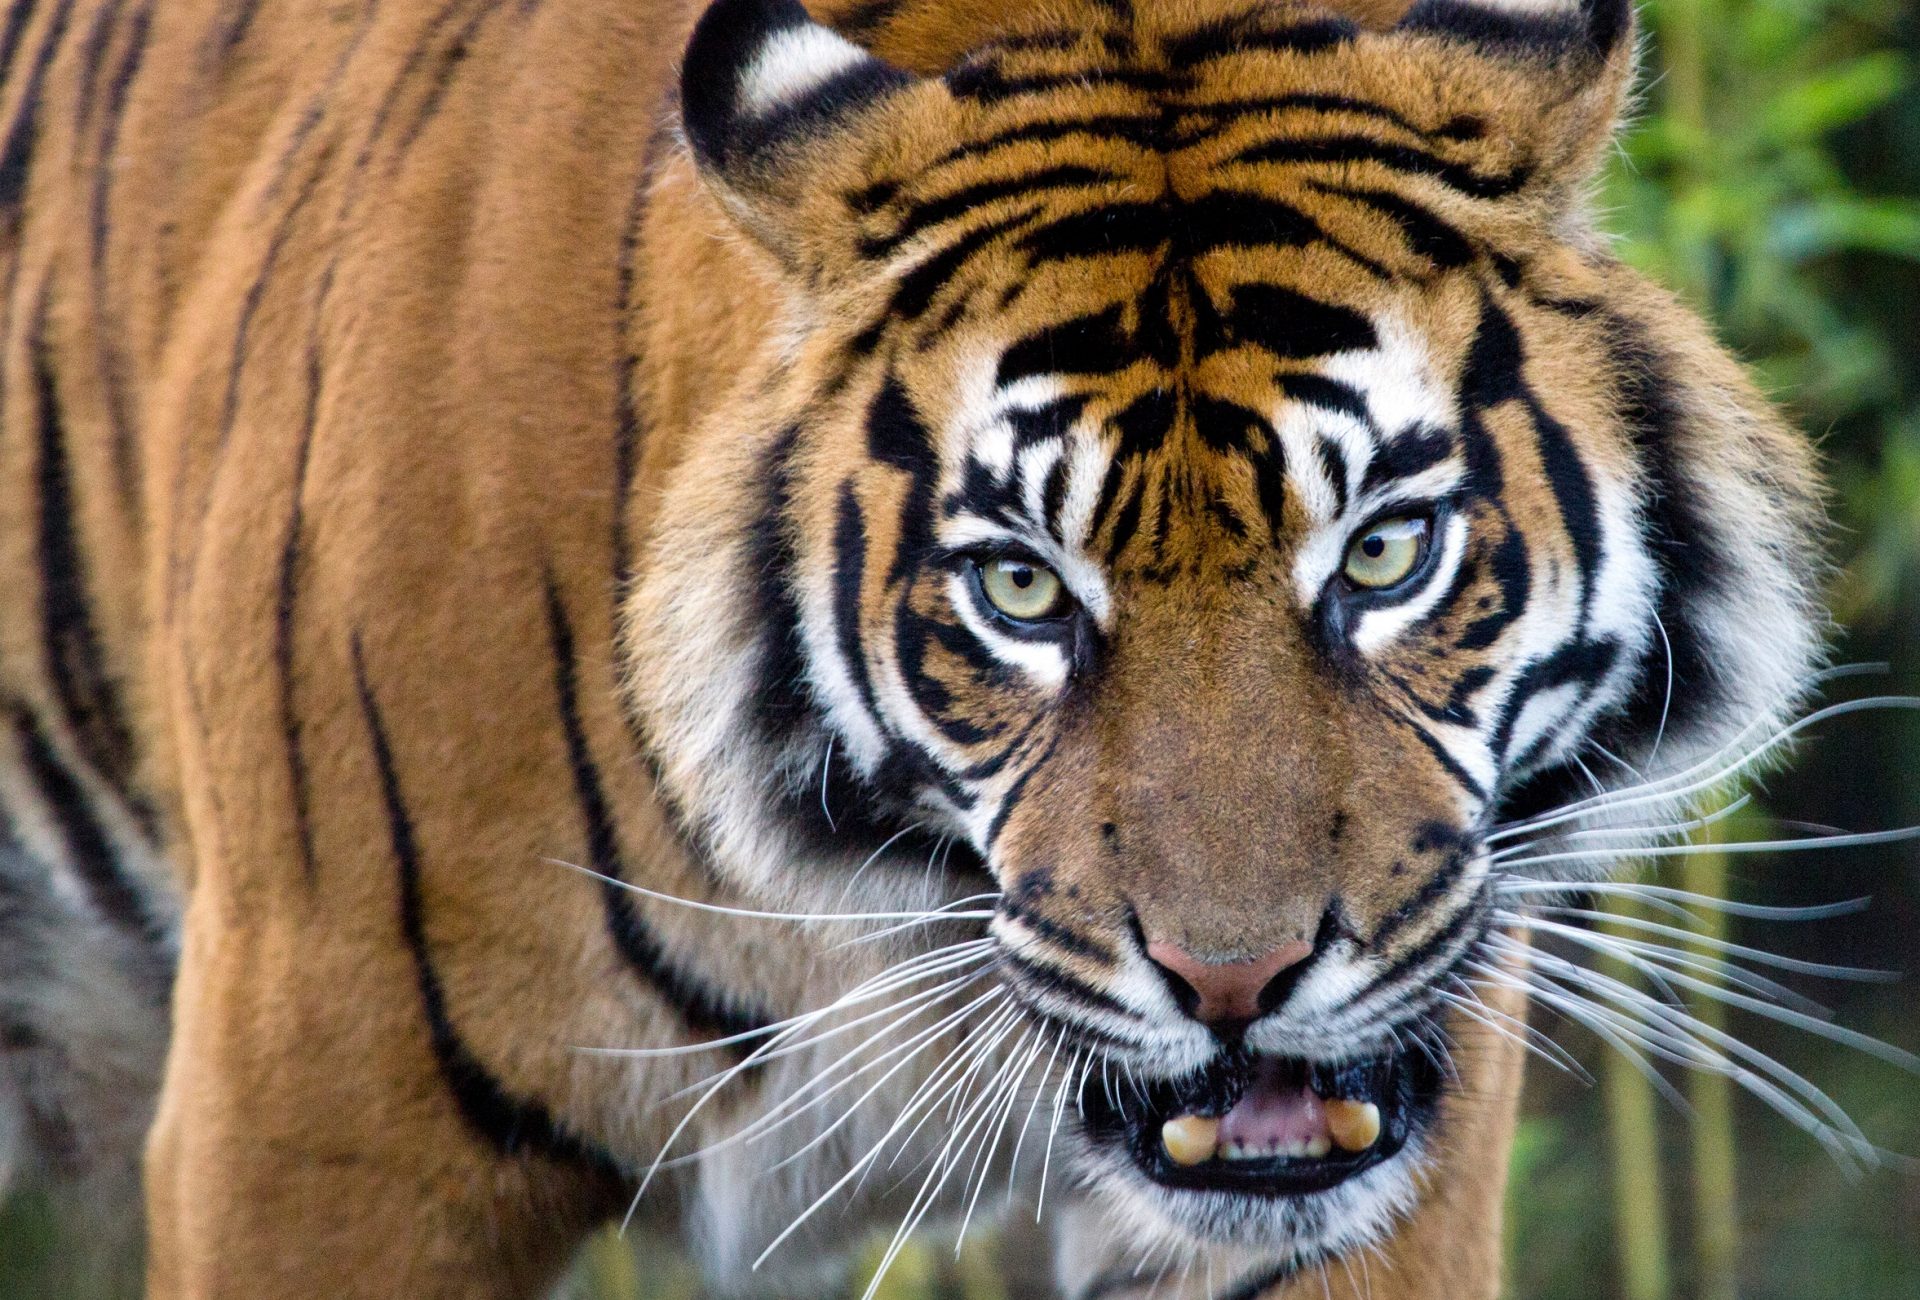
(1221, 93)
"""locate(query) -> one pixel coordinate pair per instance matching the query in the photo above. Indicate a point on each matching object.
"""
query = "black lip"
(1405, 1085)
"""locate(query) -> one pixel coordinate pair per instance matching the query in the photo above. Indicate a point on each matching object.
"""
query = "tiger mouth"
(1268, 1126)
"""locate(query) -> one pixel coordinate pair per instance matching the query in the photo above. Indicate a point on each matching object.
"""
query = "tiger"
(759, 619)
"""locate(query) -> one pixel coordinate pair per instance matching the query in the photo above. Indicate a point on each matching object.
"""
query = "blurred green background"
(1773, 177)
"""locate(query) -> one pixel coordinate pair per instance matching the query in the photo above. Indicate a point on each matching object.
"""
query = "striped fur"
(433, 451)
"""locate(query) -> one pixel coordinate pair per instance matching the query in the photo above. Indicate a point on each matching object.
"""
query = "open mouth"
(1268, 1125)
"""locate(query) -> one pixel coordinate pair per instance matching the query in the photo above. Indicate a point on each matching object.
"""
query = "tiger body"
(420, 468)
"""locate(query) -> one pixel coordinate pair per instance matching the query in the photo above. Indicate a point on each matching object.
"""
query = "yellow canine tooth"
(1355, 1125)
(1190, 1139)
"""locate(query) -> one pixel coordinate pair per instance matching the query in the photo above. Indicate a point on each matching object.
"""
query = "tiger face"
(1205, 471)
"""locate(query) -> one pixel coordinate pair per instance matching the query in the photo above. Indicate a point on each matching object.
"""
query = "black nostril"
(1281, 986)
(1334, 926)
(1185, 995)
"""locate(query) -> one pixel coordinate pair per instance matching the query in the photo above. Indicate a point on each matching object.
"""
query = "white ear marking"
(793, 63)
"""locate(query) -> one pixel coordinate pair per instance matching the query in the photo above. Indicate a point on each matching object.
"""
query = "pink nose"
(1228, 990)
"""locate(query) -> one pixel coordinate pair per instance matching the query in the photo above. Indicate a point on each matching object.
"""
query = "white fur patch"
(794, 63)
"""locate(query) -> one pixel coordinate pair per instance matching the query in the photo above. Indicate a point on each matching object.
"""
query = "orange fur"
(388, 340)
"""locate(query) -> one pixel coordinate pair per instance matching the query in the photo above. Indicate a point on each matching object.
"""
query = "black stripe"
(1064, 985)
(1395, 157)
(16, 149)
(1254, 1285)
(1248, 33)
(288, 588)
(628, 419)
(1426, 234)
(704, 1008)
(1413, 450)
(1686, 550)
(452, 58)
(1057, 933)
(19, 14)
(1226, 111)
(1293, 326)
(91, 55)
(849, 573)
(1435, 887)
(1333, 464)
(235, 21)
(184, 561)
(512, 1125)
(986, 83)
(75, 662)
(1329, 394)
(1498, 363)
(970, 198)
(1447, 760)
(1126, 128)
(126, 464)
(89, 848)
(1012, 800)
(782, 702)
(916, 289)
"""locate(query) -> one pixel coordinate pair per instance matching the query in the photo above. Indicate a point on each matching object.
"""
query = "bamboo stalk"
(611, 1269)
(1639, 1201)
(1716, 1231)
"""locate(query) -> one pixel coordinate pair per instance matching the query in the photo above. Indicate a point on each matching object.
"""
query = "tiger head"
(1202, 470)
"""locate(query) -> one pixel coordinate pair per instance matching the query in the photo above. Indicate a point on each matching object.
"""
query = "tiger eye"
(1022, 590)
(1387, 552)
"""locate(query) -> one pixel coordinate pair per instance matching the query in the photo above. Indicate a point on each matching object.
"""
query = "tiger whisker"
(873, 857)
(1709, 773)
(1633, 834)
(1695, 1044)
(1053, 1129)
(1853, 839)
(859, 994)
(721, 909)
(1760, 955)
(952, 1076)
(1011, 1097)
(1514, 1031)
(1521, 885)
(1784, 1015)
(1039, 1093)
(758, 1056)
(815, 1093)
(1674, 1043)
(924, 1039)
(932, 917)
(971, 1124)
(857, 1170)
(773, 1052)
(1707, 965)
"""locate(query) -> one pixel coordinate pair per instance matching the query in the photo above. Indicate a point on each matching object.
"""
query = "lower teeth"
(1194, 1139)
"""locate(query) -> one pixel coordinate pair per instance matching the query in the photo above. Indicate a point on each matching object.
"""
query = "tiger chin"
(743, 615)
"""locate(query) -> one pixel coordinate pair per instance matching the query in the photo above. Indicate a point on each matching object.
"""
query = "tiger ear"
(1564, 66)
(765, 96)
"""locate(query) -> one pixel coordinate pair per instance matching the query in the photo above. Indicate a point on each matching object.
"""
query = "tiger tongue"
(1275, 1116)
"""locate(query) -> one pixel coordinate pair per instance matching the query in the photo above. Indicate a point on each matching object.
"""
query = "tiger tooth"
(1318, 1146)
(1190, 1139)
(1355, 1125)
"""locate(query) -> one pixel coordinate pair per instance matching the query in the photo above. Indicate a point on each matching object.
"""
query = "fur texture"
(442, 441)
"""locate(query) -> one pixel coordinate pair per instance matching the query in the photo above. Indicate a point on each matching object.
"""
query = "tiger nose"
(1225, 992)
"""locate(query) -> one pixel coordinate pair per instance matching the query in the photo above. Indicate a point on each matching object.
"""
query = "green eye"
(1385, 553)
(1023, 591)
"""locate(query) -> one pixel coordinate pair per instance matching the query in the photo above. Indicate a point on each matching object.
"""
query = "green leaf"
(1834, 97)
